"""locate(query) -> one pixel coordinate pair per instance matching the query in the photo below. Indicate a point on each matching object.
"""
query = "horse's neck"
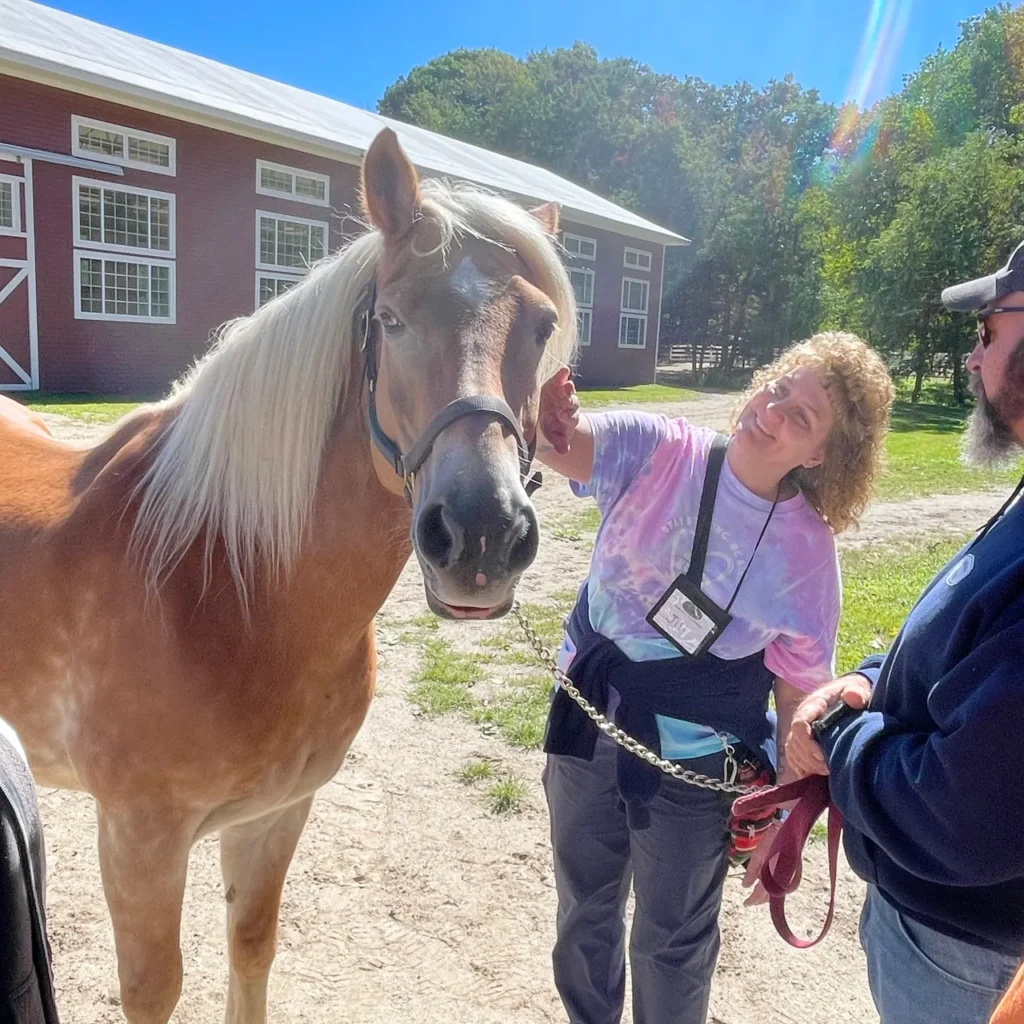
(359, 530)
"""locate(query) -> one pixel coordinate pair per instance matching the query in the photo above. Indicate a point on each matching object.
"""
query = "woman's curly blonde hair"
(861, 392)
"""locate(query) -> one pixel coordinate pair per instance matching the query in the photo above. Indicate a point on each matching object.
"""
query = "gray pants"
(677, 868)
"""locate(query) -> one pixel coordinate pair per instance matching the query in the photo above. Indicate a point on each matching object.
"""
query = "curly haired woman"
(680, 640)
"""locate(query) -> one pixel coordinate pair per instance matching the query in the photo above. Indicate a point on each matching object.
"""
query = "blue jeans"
(921, 976)
(677, 868)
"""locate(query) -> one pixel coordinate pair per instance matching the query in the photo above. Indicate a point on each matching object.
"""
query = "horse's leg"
(143, 861)
(254, 859)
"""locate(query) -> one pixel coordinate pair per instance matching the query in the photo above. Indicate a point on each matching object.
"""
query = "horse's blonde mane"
(242, 456)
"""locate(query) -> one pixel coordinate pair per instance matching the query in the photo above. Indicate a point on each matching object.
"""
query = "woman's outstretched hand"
(559, 411)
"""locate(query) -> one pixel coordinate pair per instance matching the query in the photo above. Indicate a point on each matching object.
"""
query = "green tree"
(801, 216)
(964, 210)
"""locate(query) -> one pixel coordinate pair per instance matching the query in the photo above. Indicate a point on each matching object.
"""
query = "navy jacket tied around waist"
(727, 696)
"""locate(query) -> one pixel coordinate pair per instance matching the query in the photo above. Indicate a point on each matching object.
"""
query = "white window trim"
(633, 316)
(276, 275)
(579, 238)
(92, 254)
(647, 296)
(638, 252)
(292, 197)
(123, 161)
(584, 340)
(129, 250)
(16, 229)
(593, 284)
(276, 268)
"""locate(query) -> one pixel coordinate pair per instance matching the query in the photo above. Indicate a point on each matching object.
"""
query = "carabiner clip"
(732, 767)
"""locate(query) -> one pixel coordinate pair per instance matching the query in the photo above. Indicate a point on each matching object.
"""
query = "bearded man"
(924, 745)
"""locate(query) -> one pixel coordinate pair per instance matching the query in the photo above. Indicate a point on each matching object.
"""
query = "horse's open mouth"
(455, 611)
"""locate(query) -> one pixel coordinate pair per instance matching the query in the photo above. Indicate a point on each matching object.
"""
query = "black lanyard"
(999, 515)
(702, 532)
(684, 614)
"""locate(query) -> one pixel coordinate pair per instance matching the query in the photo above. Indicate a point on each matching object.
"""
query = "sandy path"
(409, 901)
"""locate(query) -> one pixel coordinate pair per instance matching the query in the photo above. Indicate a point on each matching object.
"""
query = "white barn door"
(19, 335)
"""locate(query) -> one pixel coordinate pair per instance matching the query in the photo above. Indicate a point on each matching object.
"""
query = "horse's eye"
(388, 321)
(544, 331)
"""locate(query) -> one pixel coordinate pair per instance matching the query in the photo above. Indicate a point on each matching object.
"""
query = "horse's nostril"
(524, 548)
(439, 536)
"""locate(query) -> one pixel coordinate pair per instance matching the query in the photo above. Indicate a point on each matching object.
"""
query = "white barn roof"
(86, 56)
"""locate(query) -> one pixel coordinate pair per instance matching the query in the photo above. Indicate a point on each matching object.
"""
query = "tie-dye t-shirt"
(647, 480)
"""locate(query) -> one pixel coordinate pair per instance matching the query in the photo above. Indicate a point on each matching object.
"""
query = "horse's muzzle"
(473, 544)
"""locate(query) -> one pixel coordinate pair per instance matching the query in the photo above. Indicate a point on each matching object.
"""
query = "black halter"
(407, 466)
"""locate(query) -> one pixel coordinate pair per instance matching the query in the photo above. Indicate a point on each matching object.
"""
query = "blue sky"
(353, 50)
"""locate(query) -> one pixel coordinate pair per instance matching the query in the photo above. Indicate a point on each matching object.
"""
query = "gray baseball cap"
(983, 291)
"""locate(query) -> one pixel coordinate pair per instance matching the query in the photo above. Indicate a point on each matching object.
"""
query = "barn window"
(292, 183)
(118, 144)
(579, 245)
(635, 295)
(289, 241)
(10, 206)
(583, 285)
(636, 259)
(110, 287)
(584, 324)
(632, 331)
(269, 286)
(124, 252)
(582, 281)
(132, 220)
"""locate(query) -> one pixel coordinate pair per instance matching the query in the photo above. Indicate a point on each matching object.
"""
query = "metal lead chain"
(623, 739)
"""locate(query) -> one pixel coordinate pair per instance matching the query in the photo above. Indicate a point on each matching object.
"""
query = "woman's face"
(787, 421)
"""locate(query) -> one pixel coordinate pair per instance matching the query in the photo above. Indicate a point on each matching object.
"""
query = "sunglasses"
(984, 336)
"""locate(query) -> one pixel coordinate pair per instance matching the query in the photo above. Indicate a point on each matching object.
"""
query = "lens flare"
(856, 132)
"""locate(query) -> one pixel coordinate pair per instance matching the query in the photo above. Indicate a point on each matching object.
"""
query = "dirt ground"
(409, 901)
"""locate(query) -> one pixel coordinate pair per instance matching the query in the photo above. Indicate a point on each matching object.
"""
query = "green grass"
(546, 617)
(445, 678)
(514, 701)
(478, 770)
(923, 456)
(636, 394)
(86, 408)
(507, 795)
(880, 585)
(519, 710)
(578, 526)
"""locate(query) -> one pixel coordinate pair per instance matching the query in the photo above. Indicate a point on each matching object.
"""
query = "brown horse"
(186, 609)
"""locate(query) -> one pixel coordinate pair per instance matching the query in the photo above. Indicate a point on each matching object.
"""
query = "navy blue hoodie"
(930, 778)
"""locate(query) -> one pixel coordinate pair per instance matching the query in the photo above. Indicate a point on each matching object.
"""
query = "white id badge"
(687, 618)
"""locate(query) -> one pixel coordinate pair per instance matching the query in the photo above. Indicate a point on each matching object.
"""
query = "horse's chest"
(317, 727)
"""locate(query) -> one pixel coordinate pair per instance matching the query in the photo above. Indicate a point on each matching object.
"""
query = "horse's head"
(471, 302)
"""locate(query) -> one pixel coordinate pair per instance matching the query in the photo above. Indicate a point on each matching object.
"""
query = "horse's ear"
(390, 186)
(548, 217)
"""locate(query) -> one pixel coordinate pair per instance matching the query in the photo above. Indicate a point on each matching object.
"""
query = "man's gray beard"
(988, 441)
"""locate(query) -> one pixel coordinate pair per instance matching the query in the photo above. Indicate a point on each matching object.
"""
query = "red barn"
(147, 195)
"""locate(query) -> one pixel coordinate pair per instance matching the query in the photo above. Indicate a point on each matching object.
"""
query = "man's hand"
(559, 411)
(803, 754)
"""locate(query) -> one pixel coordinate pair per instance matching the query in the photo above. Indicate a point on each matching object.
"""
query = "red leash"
(779, 880)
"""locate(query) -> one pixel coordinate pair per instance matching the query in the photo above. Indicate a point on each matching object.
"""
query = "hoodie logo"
(960, 571)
